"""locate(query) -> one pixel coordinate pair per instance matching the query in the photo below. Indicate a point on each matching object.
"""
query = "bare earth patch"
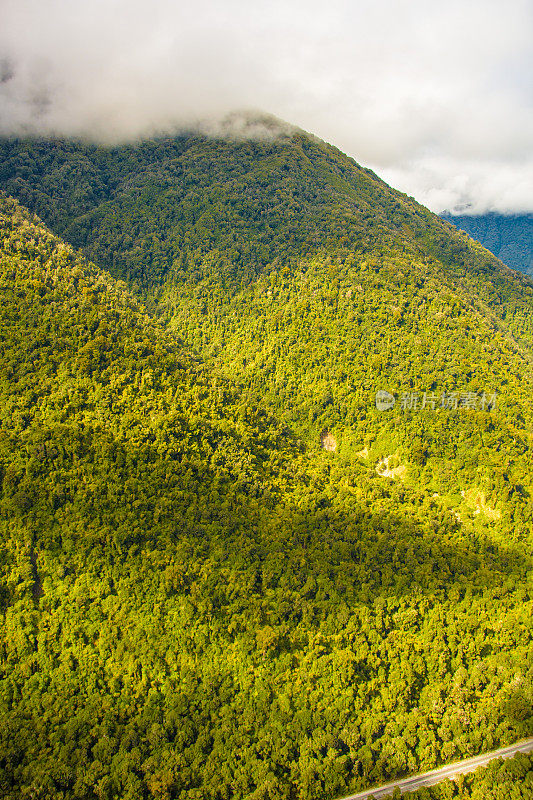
(383, 469)
(328, 441)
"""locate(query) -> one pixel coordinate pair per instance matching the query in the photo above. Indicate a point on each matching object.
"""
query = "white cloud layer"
(436, 97)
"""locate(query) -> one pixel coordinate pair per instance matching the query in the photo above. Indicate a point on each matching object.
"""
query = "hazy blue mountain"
(508, 237)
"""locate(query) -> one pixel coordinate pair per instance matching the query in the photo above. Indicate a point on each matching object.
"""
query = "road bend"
(437, 775)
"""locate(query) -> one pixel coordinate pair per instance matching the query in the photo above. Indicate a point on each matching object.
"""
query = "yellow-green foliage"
(198, 602)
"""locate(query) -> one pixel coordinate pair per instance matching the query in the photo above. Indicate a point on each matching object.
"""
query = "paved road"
(438, 775)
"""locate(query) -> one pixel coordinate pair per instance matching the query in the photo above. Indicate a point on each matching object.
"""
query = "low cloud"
(435, 98)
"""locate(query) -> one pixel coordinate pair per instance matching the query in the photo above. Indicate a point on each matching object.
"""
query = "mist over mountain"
(510, 237)
(443, 113)
(226, 570)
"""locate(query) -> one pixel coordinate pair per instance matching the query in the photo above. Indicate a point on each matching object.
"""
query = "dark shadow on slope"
(330, 559)
(132, 499)
(133, 552)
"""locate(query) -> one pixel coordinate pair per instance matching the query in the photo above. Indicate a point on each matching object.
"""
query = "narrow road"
(438, 775)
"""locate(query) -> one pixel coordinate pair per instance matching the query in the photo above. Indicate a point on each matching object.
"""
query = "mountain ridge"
(197, 599)
(189, 246)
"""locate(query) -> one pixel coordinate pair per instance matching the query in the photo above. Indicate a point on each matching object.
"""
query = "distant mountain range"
(510, 237)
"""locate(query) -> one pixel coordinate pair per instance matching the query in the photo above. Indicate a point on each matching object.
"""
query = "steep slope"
(191, 607)
(305, 279)
(228, 209)
(509, 237)
(120, 462)
(197, 604)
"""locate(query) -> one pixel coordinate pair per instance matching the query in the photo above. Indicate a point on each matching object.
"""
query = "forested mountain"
(198, 600)
(508, 236)
(283, 263)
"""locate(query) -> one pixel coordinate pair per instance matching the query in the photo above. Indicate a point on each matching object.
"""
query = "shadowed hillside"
(197, 600)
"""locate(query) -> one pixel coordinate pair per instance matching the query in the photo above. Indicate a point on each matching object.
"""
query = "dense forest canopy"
(286, 266)
(198, 600)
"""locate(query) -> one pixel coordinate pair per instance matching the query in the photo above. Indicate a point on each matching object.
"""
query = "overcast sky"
(437, 97)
